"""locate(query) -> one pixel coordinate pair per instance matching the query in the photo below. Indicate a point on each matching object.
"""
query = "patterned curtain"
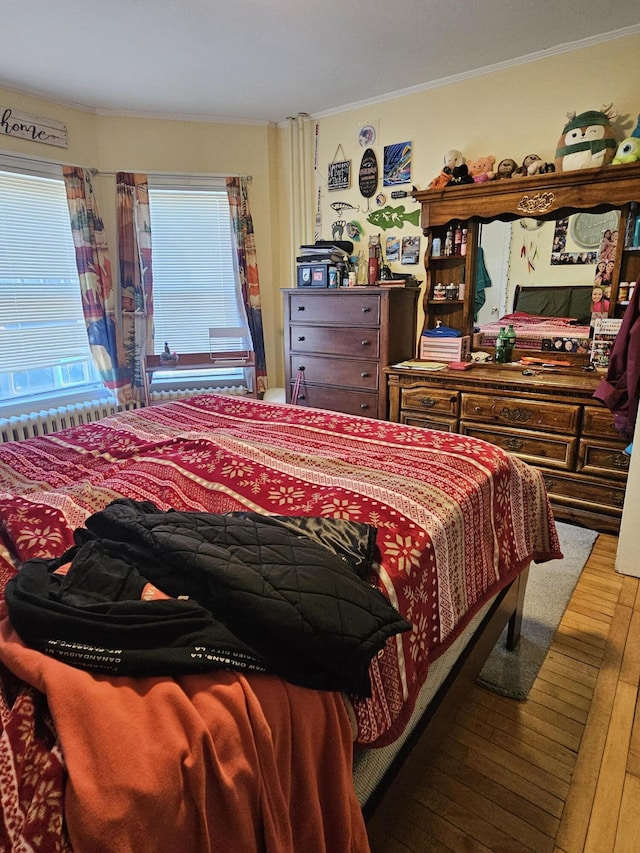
(248, 268)
(96, 284)
(136, 279)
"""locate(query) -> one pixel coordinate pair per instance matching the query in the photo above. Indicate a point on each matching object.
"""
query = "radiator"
(166, 396)
(53, 420)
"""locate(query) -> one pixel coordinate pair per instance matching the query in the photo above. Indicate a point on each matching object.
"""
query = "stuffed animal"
(442, 179)
(506, 168)
(587, 141)
(481, 169)
(453, 158)
(629, 149)
(539, 167)
(460, 175)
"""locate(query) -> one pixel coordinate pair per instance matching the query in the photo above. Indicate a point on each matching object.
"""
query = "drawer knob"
(365, 343)
(477, 409)
(427, 401)
(364, 374)
(364, 405)
(300, 337)
(301, 397)
(300, 308)
(301, 367)
(365, 309)
(514, 444)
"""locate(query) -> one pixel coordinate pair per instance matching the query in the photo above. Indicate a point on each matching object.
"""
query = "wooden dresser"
(342, 339)
(550, 420)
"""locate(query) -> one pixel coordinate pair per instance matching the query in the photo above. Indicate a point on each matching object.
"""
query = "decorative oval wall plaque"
(368, 176)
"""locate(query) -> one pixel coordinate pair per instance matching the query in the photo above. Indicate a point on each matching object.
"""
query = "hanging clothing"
(483, 280)
(620, 388)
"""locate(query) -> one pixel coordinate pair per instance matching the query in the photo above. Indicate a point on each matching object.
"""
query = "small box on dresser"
(445, 349)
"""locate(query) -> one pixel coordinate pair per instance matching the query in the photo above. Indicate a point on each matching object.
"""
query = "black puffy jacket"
(281, 594)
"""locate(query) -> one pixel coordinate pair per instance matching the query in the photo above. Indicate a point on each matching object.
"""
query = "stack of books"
(322, 252)
(407, 281)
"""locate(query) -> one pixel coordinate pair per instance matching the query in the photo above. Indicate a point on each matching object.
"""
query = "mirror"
(552, 267)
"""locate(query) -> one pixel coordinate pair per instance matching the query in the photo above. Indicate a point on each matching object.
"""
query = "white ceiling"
(264, 60)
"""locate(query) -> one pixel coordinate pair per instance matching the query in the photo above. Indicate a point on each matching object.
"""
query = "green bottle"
(501, 346)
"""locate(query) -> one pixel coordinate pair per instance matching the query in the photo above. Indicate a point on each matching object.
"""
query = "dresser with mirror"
(546, 415)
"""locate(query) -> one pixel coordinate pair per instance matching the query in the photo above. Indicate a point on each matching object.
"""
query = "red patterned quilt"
(457, 518)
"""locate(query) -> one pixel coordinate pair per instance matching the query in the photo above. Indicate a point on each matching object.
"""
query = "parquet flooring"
(557, 773)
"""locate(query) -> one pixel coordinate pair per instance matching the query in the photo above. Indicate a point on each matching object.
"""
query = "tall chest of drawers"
(339, 341)
(551, 421)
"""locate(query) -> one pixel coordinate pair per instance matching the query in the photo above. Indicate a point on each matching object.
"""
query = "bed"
(546, 318)
(456, 522)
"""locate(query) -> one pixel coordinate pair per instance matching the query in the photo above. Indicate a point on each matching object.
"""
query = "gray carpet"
(549, 589)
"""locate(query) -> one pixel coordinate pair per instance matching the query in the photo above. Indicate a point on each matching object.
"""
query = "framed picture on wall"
(392, 249)
(397, 164)
(410, 250)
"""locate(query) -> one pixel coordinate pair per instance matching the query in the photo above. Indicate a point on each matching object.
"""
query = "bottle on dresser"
(501, 347)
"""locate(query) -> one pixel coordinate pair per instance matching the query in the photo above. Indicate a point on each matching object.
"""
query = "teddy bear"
(481, 169)
(505, 168)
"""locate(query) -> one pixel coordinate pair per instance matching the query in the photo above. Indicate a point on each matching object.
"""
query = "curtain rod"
(94, 171)
(247, 178)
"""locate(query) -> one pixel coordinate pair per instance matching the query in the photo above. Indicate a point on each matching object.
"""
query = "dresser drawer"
(598, 422)
(339, 400)
(582, 492)
(442, 401)
(516, 412)
(444, 425)
(535, 448)
(599, 457)
(341, 309)
(355, 373)
(320, 339)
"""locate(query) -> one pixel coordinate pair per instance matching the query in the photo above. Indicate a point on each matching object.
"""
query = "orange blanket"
(199, 763)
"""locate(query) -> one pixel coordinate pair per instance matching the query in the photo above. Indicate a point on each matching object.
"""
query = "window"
(194, 269)
(44, 349)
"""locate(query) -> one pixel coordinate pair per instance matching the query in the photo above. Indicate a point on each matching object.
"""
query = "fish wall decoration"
(393, 217)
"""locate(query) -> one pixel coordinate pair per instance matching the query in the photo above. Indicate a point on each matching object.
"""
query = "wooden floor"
(558, 773)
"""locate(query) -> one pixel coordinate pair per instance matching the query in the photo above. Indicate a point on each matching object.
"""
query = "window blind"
(194, 265)
(41, 321)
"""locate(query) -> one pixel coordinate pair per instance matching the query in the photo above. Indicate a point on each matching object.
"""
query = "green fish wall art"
(393, 217)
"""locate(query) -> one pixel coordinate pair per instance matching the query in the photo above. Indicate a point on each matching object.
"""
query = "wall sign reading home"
(35, 128)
